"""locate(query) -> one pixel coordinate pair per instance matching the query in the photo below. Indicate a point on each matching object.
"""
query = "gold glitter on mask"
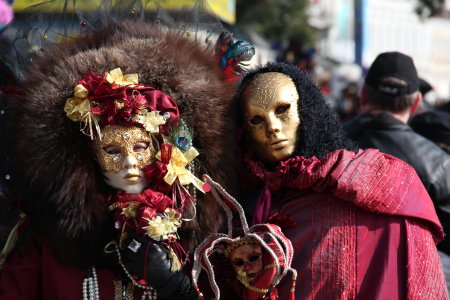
(125, 140)
(266, 87)
(270, 102)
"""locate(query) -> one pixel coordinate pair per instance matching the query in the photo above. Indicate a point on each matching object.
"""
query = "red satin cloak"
(365, 227)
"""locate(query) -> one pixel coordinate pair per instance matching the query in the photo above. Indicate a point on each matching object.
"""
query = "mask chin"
(118, 181)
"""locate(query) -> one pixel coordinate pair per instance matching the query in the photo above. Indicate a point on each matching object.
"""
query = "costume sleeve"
(20, 275)
(370, 179)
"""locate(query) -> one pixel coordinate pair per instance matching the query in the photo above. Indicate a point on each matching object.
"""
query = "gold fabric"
(78, 109)
(177, 168)
(116, 76)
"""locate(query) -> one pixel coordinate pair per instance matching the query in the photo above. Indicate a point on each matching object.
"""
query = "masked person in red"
(104, 134)
(361, 222)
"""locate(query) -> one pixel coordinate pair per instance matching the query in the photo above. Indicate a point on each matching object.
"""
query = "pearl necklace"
(90, 283)
(90, 286)
(149, 292)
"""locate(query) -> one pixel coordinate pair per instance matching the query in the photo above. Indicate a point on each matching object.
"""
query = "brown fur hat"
(61, 187)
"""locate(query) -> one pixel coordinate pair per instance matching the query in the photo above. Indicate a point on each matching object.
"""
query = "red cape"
(365, 227)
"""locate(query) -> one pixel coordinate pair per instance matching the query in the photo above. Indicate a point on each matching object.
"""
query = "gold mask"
(271, 112)
(119, 142)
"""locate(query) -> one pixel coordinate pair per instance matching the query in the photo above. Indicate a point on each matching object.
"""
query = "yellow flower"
(172, 216)
(116, 76)
(155, 228)
(130, 211)
(150, 120)
(161, 228)
(80, 92)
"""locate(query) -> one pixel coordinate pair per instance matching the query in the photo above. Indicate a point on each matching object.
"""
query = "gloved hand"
(151, 262)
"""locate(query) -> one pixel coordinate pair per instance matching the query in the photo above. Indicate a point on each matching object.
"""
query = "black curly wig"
(320, 131)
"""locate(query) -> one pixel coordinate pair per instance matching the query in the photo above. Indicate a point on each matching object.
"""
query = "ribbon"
(176, 168)
(78, 109)
(116, 76)
(88, 120)
(178, 253)
(165, 154)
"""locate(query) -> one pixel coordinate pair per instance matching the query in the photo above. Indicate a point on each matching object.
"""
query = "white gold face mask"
(122, 153)
(247, 261)
(271, 112)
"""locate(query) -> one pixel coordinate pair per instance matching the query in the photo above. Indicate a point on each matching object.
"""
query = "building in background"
(357, 31)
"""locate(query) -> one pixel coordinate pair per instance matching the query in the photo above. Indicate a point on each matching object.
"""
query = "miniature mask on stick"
(260, 255)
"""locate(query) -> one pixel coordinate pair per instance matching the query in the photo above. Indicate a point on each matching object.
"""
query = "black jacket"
(396, 138)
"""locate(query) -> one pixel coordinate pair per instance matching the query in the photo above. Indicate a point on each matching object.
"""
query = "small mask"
(122, 153)
(247, 261)
(271, 111)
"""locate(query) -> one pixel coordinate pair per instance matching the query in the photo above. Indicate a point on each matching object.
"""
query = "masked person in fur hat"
(110, 135)
(353, 217)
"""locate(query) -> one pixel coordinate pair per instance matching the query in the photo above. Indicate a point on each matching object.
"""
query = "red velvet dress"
(38, 275)
(362, 225)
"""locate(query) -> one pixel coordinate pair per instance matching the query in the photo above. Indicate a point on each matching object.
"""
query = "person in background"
(444, 107)
(361, 222)
(389, 97)
(435, 126)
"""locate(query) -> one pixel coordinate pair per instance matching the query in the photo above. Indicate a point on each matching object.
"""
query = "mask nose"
(248, 267)
(273, 125)
(129, 162)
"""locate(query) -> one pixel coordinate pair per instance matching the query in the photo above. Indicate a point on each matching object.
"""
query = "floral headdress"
(276, 247)
(117, 99)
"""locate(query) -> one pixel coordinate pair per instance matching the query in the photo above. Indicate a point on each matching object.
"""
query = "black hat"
(434, 125)
(424, 86)
(397, 65)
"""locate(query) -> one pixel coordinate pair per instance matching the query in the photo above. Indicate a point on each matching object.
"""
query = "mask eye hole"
(256, 120)
(282, 109)
(254, 258)
(140, 146)
(112, 149)
(239, 263)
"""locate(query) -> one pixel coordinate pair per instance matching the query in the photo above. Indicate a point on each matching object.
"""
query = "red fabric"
(151, 203)
(38, 275)
(262, 207)
(133, 99)
(154, 173)
(365, 227)
(261, 281)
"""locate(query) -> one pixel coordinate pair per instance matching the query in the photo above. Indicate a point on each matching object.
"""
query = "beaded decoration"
(90, 286)
(149, 293)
